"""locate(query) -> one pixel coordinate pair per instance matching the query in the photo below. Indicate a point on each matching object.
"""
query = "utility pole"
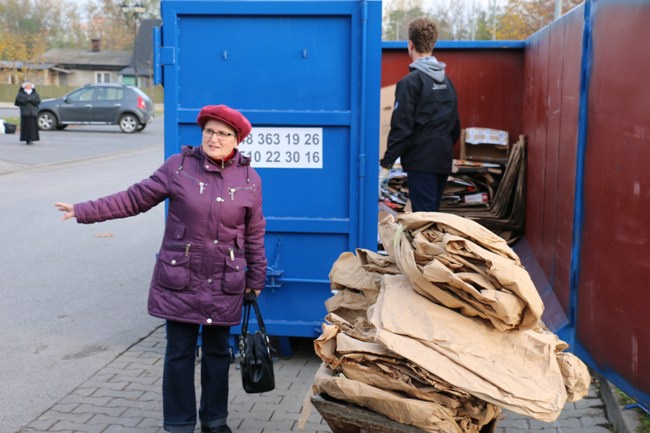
(558, 9)
(493, 19)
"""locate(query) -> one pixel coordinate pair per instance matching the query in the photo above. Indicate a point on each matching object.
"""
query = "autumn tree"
(28, 28)
(522, 18)
(23, 30)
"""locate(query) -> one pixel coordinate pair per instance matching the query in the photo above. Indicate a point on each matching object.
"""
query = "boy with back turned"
(425, 123)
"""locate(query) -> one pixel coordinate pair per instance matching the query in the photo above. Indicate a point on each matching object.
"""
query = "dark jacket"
(28, 103)
(425, 123)
(213, 245)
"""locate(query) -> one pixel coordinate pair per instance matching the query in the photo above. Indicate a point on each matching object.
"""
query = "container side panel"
(301, 192)
(323, 193)
(551, 108)
(308, 292)
(570, 94)
(394, 65)
(535, 108)
(489, 84)
(306, 74)
(613, 321)
(553, 125)
(284, 64)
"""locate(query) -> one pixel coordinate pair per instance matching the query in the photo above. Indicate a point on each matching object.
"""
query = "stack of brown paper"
(443, 332)
(462, 265)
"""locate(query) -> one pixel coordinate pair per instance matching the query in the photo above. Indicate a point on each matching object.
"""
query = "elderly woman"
(28, 101)
(212, 253)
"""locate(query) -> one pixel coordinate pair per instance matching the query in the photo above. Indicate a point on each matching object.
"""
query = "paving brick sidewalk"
(125, 397)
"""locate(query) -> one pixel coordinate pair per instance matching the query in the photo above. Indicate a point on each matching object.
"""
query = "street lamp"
(134, 10)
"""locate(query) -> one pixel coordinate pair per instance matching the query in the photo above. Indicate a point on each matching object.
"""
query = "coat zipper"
(232, 191)
(202, 185)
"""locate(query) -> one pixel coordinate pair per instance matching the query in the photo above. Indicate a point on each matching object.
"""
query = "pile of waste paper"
(443, 332)
(489, 193)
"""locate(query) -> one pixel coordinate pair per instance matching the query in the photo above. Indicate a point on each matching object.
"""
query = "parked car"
(98, 104)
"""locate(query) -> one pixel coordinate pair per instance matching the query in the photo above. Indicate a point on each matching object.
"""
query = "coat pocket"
(234, 276)
(174, 270)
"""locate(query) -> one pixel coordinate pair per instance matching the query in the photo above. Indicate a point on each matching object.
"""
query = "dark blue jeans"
(179, 397)
(425, 190)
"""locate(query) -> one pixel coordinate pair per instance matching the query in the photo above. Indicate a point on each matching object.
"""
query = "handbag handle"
(250, 300)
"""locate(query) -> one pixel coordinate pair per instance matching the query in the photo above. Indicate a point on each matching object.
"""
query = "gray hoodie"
(430, 66)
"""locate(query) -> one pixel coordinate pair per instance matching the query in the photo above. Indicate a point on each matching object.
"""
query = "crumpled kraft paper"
(515, 370)
(427, 416)
(482, 280)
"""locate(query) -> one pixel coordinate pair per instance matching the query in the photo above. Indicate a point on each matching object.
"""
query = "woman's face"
(218, 139)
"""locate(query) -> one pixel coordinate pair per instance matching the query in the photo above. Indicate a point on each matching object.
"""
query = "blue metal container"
(306, 73)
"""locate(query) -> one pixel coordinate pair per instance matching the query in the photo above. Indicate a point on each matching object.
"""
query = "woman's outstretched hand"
(67, 208)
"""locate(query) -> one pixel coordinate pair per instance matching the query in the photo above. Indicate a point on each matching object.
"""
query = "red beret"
(225, 114)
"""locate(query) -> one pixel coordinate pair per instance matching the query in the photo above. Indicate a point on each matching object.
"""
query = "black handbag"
(10, 128)
(256, 364)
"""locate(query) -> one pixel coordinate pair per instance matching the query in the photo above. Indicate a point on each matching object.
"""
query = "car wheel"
(141, 126)
(129, 123)
(46, 121)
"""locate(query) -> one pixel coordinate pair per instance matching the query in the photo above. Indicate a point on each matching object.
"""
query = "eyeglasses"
(209, 133)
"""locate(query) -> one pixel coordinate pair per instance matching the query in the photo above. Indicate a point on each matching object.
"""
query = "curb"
(623, 420)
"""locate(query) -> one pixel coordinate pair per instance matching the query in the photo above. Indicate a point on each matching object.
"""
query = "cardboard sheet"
(516, 370)
(427, 416)
(463, 266)
(443, 332)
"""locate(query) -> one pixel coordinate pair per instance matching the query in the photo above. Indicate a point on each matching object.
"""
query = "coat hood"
(430, 66)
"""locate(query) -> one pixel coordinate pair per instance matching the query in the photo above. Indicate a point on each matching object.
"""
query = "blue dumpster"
(307, 75)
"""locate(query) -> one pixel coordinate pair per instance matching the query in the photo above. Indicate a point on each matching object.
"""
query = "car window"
(81, 95)
(139, 92)
(110, 94)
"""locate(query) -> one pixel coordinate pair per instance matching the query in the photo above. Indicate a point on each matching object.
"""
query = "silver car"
(98, 104)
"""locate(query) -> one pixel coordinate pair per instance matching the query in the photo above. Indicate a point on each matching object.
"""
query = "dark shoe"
(29, 142)
(221, 429)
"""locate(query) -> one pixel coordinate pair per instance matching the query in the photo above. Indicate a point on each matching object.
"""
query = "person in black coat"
(425, 123)
(28, 101)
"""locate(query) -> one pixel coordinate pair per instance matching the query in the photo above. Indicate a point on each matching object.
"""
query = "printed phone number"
(284, 147)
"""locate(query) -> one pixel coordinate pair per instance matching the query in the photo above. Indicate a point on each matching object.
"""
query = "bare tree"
(456, 19)
(397, 16)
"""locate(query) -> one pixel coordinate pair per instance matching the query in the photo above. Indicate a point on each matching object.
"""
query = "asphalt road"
(73, 296)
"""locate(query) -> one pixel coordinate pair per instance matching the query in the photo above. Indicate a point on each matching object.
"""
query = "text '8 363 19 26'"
(284, 147)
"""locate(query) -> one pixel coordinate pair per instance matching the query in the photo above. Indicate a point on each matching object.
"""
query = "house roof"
(142, 59)
(10, 64)
(67, 58)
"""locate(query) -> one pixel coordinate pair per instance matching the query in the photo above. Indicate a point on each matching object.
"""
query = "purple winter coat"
(213, 246)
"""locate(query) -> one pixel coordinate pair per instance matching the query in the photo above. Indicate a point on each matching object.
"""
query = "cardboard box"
(479, 197)
(482, 151)
(387, 102)
(486, 136)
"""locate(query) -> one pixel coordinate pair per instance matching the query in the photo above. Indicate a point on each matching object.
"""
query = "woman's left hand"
(67, 208)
